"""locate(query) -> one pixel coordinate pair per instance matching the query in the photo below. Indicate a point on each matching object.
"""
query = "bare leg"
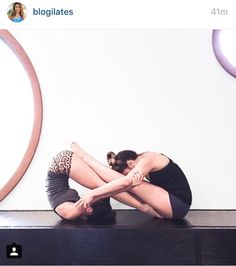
(154, 196)
(84, 175)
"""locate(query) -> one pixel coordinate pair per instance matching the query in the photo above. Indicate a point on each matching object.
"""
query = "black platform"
(204, 237)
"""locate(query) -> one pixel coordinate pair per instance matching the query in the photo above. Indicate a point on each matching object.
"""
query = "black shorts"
(71, 195)
(173, 180)
(179, 208)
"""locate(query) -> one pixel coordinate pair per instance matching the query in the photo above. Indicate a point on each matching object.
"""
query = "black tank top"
(172, 179)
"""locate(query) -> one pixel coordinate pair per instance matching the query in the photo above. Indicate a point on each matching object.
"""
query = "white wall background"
(160, 90)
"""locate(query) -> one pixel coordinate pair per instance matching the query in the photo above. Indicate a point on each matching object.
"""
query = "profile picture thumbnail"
(17, 12)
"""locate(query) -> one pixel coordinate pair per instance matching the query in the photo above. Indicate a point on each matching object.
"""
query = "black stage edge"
(204, 237)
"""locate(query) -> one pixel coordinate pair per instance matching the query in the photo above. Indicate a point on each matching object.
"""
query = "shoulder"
(151, 155)
(148, 159)
(156, 160)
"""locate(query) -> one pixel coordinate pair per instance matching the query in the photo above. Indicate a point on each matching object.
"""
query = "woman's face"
(17, 8)
(126, 171)
(131, 165)
(88, 211)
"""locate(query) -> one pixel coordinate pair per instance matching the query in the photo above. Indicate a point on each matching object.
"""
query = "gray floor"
(124, 218)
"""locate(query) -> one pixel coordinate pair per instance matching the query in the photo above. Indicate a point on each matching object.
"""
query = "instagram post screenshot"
(117, 132)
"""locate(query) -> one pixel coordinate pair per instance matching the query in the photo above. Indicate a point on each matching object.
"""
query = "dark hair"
(119, 162)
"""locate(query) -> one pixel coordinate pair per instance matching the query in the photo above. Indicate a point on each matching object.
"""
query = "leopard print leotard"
(61, 163)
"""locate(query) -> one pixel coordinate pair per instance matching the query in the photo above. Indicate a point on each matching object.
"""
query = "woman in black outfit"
(167, 190)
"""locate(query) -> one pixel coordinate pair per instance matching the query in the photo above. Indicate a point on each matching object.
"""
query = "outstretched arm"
(108, 174)
(125, 197)
(117, 182)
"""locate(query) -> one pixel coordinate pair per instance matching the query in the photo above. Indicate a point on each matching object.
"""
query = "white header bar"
(123, 14)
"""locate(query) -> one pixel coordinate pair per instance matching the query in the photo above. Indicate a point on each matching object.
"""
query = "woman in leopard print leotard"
(67, 164)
